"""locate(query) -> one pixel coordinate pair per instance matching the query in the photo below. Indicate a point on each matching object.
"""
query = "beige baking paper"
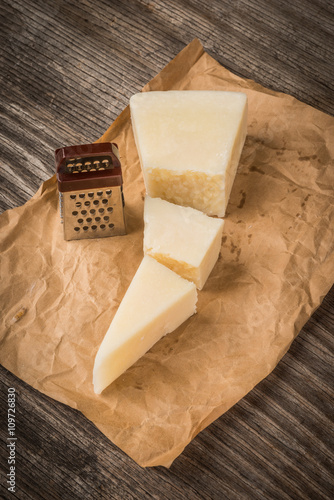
(276, 264)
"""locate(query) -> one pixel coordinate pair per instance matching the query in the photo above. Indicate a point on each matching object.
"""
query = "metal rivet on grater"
(90, 191)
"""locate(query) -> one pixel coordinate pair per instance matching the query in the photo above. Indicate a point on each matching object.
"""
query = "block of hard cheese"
(182, 238)
(156, 303)
(189, 144)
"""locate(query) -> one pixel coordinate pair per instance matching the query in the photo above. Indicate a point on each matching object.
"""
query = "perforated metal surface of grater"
(93, 214)
(90, 191)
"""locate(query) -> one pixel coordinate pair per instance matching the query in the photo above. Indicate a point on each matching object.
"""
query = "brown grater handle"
(69, 181)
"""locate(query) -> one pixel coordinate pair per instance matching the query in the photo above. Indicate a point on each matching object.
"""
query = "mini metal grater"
(90, 191)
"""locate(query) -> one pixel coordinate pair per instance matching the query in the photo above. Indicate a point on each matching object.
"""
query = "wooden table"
(68, 68)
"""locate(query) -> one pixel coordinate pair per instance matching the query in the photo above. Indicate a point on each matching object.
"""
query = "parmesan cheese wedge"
(156, 303)
(189, 145)
(182, 238)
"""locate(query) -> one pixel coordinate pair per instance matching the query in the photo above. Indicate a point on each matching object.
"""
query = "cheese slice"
(189, 145)
(156, 303)
(182, 238)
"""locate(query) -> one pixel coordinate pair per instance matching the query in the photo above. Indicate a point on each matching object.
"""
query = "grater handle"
(86, 150)
(104, 166)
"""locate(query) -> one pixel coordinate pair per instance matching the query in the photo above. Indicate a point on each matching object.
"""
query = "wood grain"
(68, 69)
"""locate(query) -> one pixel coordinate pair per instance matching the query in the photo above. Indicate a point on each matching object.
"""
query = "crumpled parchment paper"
(276, 264)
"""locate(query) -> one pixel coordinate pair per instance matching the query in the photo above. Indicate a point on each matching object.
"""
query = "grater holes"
(92, 210)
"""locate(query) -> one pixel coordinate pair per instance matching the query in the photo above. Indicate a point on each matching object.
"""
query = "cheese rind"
(189, 145)
(156, 303)
(182, 238)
